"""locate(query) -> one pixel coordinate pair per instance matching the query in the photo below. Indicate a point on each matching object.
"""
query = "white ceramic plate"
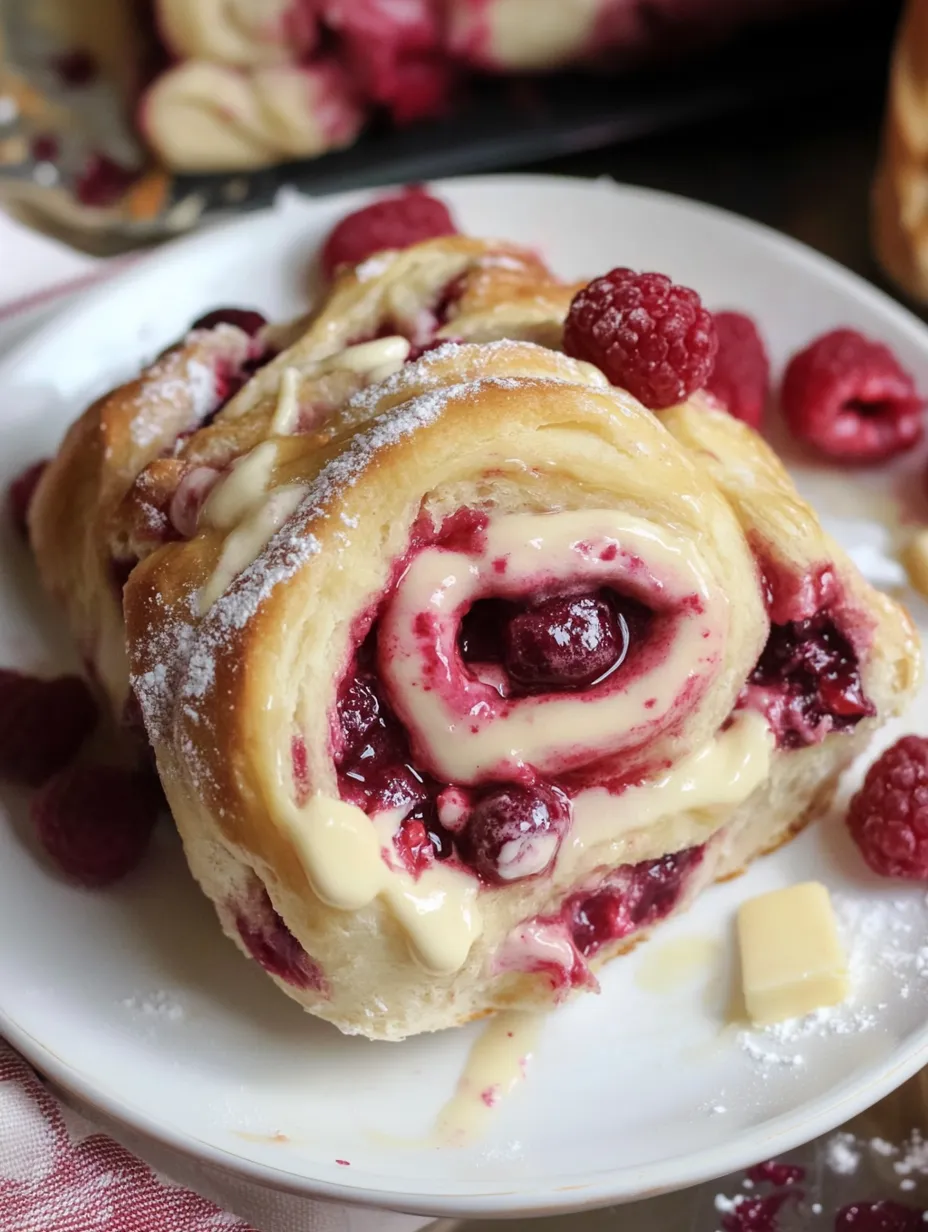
(132, 999)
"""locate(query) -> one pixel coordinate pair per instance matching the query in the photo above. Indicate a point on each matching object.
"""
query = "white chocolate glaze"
(495, 1066)
(665, 968)
(460, 726)
(342, 853)
(722, 774)
(248, 538)
(536, 945)
(526, 856)
(238, 500)
(287, 412)
(369, 357)
(245, 484)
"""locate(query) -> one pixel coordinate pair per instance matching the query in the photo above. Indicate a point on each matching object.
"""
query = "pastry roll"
(457, 697)
(142, 459)
(374, 319)
(205, 116)
(900, 196)
(72, 517)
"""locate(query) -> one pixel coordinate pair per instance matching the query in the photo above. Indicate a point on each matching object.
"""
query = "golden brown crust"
(518, 428)
(900, 191)
(72, 521)
(112, 464)
(227, 684)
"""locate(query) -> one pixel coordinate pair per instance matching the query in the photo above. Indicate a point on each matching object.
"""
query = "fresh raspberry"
(740, 379)
(850, 398)
(42, 724)
(392, 222)
(245, 319)
(95, 821)
(888, 817)
(20, 494)
(648, 335)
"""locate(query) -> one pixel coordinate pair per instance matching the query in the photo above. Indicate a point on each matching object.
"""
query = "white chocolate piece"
(792, 961)
(371, 356)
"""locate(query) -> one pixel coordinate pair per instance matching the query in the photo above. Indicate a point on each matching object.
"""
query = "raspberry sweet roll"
(212, 397)
(72, 518)
(455, 700)
(375, 318)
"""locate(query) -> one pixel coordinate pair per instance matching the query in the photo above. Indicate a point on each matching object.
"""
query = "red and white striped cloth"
(59, 1174)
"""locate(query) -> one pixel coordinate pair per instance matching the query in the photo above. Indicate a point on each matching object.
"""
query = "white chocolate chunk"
(369, 356)
(792, 961)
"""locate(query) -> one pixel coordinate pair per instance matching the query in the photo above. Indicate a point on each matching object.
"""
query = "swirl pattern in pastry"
(441, 822)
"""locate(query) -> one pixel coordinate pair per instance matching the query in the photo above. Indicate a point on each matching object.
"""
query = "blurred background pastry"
(900, 203)
(138, 118)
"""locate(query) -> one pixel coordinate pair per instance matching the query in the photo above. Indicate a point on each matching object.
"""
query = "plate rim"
(475, 1198)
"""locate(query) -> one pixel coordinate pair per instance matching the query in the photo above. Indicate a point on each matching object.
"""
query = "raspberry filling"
(631, 898)
(375, 766)
(502, 831)
(546, 666)
(566, 642)
(807, 682)
(271, 943)
(635, 896)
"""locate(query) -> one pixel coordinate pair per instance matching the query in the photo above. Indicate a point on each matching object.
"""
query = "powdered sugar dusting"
(384, 431)
(157, 1004)
(842, 1154)
(189, 385)
(504, 349)
(183, 649)
(169, 642)
(374, 266)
